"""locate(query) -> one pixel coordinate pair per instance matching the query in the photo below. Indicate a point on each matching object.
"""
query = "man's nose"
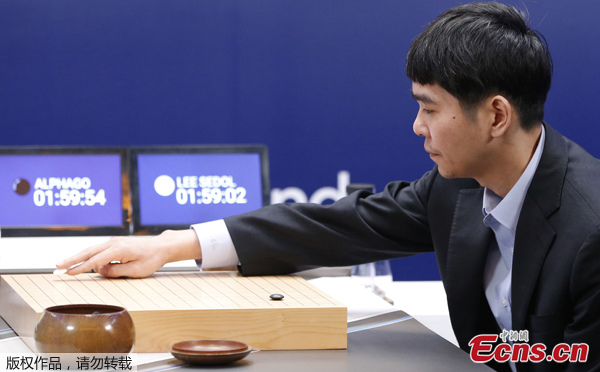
(419, 127)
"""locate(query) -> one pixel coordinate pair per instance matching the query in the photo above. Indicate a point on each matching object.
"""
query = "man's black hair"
(476, 50)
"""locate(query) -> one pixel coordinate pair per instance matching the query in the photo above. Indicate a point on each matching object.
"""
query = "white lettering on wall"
(295, 194)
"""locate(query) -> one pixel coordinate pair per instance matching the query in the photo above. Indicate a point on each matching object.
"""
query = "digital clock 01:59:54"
(65, 198)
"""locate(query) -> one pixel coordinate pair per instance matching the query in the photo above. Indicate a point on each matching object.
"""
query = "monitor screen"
(174, 187)
(63, 191)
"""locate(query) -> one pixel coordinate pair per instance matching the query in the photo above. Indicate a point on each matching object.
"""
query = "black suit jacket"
(556, 263)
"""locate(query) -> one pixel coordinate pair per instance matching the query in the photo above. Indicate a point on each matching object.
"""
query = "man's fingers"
(113, 270)
(94, 262)
(121, 256)
(83, 255)
(131, 269)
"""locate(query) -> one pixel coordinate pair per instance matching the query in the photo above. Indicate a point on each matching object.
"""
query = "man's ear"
(501, 115)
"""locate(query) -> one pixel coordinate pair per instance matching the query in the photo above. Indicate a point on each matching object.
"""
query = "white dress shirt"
(216, 244)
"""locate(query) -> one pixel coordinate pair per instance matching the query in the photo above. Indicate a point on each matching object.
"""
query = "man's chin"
(449, 174)
(446, 173)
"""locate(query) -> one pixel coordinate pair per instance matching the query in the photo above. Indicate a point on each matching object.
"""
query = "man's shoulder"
(580, 190)
(582, 179)
(567, 178)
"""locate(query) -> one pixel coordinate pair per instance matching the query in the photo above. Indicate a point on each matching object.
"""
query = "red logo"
(518, 350)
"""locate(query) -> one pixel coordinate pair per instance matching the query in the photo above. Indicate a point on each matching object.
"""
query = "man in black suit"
(510, 209)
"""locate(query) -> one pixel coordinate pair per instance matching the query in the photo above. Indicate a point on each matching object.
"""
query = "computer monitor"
(64, 191)
(174, 187)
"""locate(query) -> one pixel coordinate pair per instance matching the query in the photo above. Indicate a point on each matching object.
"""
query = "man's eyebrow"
(422, 98)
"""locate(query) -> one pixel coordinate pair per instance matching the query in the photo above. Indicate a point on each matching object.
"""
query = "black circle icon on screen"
(21, 186)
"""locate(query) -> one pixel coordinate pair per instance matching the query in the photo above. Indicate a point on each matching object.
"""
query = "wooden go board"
(171, 307)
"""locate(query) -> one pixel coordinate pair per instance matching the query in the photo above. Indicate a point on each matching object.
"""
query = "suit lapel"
(534, 233)
(532, 242)
(467, 253)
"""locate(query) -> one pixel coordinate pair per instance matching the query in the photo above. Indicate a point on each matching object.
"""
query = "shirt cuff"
(217, 247)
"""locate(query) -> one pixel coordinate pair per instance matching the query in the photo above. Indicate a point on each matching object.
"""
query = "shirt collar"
(506, 211)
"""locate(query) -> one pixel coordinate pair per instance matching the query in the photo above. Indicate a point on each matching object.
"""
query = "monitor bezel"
(154, 229)
(49, 231)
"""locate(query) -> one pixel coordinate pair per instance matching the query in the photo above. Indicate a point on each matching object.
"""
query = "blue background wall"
(321, 82)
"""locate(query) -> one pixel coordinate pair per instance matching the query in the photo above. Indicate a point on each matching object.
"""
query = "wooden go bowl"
(85, 328)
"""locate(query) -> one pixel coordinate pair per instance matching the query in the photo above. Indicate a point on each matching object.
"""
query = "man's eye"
(428, 112)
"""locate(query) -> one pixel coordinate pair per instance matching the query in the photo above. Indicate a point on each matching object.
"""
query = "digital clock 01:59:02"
(214, 195)
(67, 198)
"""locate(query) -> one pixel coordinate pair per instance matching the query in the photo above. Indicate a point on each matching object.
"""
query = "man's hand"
(134, 257)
